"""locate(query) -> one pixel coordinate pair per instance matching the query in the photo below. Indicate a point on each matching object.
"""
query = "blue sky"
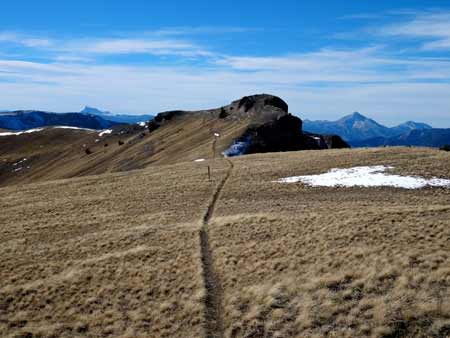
(388, 60)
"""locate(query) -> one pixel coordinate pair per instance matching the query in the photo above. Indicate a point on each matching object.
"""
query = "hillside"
(259, 123)
(357, 127)
(163, 252)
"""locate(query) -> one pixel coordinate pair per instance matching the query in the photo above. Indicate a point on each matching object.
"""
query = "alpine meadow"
(252, 169)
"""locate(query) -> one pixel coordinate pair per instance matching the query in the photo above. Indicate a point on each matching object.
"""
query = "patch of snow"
(17, 169)
(216, 134)
(199, 160)
(21, 132)
(105, 132)
(373, 176)
(40, 129)
(142, 124)
(69, 127)
(239, 147)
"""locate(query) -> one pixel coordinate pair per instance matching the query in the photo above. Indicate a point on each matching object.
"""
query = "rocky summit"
(270, 126)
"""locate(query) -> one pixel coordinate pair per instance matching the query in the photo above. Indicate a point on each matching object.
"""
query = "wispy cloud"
(165, 41)
(331, 66)
(71, 58)
(27, 41)
(433, 28)
(321, 84)
(81, 48)
(375, 78)
(134, 46)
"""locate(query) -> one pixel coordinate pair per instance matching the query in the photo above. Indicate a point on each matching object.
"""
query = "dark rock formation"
(261, 108)
(283, 134)
(168, 115)
(274, 128)
(271, 127)
(153, 125)
(223, 113)
(335, 142)
(261, 101)
(163, 117)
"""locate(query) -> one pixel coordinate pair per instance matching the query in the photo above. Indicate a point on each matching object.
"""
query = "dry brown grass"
(118, 255)
(340, 262)
(60, 153)
(112, 256)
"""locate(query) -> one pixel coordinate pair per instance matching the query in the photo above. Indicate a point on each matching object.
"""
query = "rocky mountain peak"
(263, 107)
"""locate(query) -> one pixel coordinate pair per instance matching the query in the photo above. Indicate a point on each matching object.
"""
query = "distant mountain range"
(122, 118)
(28, 119)
(357, 127)
(419, 137)
(361, 131)
(89, 117)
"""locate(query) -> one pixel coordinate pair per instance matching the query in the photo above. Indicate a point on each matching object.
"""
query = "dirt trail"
(213, 299)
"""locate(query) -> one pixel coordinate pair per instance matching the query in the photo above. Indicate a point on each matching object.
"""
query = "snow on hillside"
(105, 132)
(21, 132)
(373, 176)
(41, 129)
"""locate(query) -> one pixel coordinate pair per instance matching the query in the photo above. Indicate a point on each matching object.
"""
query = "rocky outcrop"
(163, 117)
(282, 134)
(270, 126)
(259, 108)
(260, 105)
(274, 129)
(335, 142)
(285, 134)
